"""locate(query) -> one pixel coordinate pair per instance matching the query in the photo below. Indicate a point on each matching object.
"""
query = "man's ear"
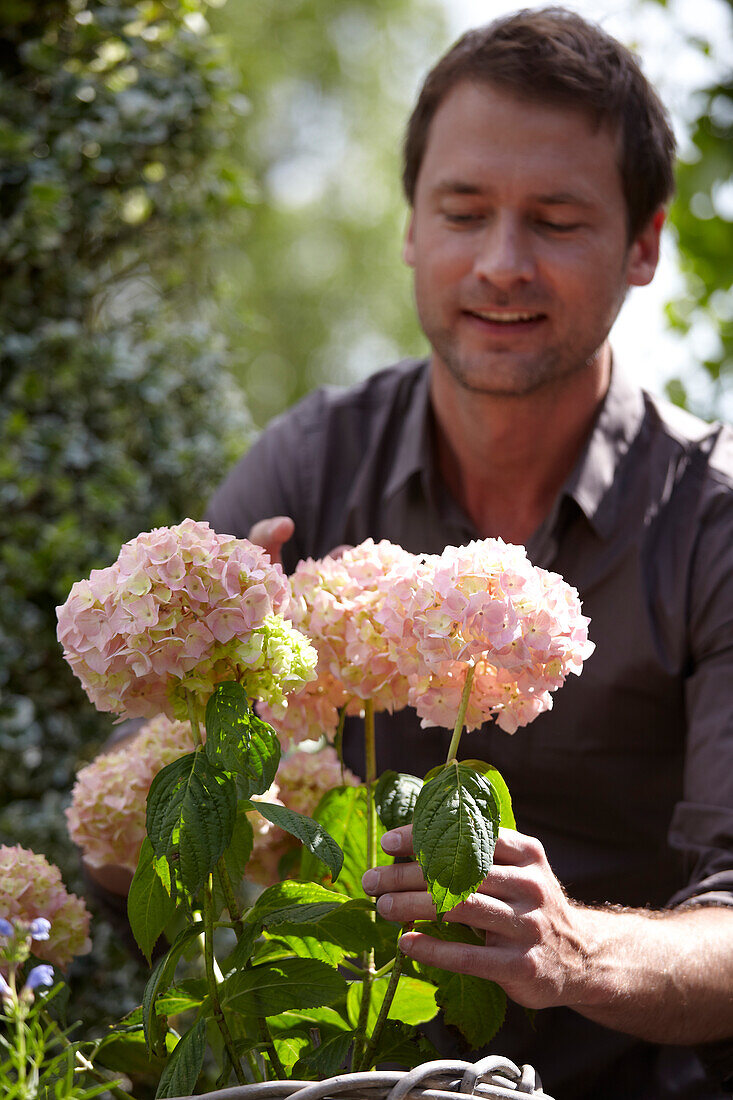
(408, 248)
(644, 251)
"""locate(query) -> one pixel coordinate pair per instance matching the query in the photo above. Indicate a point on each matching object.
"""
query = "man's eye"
(558, 227)
(460, 219)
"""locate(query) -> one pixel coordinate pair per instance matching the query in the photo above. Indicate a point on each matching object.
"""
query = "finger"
(398, 842)
(461, 958)
(400, 876)
(271, 534)
(405, 907)
(517, 848)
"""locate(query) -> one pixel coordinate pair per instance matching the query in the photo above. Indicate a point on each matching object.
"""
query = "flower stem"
(213, 989)
(368, 1055)
(460, 717)
(235, 912)
(370, 753)
(370, 776)
(193, 718)
(266, 1038)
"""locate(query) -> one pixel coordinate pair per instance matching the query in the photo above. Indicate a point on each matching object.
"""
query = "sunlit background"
(685, 46)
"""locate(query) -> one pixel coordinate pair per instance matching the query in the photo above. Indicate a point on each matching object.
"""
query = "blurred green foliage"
(117, 410)
(311, 281)
(702, 216)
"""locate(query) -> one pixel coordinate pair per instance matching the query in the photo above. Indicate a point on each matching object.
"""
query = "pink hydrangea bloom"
(31, 887)
(309, 713)
(302, 780)
(106, 818)
(485, 605)
(182, 607)
(337, 602)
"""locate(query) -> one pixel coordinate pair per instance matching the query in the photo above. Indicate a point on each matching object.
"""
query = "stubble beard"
(490, 377)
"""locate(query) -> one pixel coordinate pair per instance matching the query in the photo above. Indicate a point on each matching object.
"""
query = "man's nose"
(504, 255)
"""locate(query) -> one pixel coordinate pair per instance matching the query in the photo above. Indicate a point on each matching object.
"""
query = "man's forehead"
(479, 127)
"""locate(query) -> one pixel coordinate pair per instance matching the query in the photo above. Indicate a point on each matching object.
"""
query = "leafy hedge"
(117, 411)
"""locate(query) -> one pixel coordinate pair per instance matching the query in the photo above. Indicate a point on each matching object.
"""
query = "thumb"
(271, 534)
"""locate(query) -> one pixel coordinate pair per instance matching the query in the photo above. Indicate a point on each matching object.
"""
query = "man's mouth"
(505, 317)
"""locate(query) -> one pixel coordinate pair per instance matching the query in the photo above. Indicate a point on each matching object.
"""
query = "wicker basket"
(492, 1078)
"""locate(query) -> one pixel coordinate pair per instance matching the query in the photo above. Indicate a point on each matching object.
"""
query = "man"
(537, 164)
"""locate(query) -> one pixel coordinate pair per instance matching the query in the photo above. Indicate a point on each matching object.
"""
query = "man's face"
(518, 240)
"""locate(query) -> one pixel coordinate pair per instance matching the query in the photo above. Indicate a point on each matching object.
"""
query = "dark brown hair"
(554, 56)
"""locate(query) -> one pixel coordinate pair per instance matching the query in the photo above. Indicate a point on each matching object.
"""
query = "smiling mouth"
(505, 317)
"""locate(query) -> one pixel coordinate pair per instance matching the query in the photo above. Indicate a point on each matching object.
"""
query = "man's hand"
(272, 534)
(533, 940)
(662, 976)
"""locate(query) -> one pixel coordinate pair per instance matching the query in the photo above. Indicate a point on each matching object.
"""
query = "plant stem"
(213, 989)
(460, 717)
(371, 1046)
(370, 754)
(193, 719)
(235, 912)
(370, 776)
(270, 1046)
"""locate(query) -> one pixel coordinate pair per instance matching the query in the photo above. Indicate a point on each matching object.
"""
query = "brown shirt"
(628, 780)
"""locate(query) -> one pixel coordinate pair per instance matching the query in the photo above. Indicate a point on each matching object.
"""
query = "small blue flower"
(40, 928)
(39, 975)
(5, 990)
(6, 928)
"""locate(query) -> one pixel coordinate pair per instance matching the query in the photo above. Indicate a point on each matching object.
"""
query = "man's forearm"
(664, 977)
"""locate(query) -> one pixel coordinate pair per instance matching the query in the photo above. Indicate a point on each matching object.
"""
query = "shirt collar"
(594, 483)
(413, 453)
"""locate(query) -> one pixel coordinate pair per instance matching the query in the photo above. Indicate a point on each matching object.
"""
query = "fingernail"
(369, 880)
(384, 905)
(391, 842)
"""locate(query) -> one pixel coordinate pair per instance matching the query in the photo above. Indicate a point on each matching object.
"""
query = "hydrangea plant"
(189, 623)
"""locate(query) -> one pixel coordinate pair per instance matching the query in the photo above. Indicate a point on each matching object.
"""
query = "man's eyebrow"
(553, 198)
(458, 187)
(563, 198)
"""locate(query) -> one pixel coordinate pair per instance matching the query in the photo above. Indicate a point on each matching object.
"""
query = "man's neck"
(504, 459)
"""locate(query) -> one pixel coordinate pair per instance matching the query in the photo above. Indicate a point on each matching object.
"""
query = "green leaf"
(149, 906)
(313, 835)
(185, 1064)
(454, 833)
(395, 796)
(284, 946)
(328, 1058)
(240, 742)
(275, 987)
(177, 1000)
(475, 1006)
(242, 952)
(405, 1045)
(343, 811)
(290, 895)
(290, 1049)
(192, 807)
(161, 978)
(414, 1002)
(497, 781)
(327, 1020)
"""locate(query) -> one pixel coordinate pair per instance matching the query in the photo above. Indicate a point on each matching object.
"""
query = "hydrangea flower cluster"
(182, 607)
(485, 606)
(337, 601)
(106, 818)
(302, 780)
(32, 895)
